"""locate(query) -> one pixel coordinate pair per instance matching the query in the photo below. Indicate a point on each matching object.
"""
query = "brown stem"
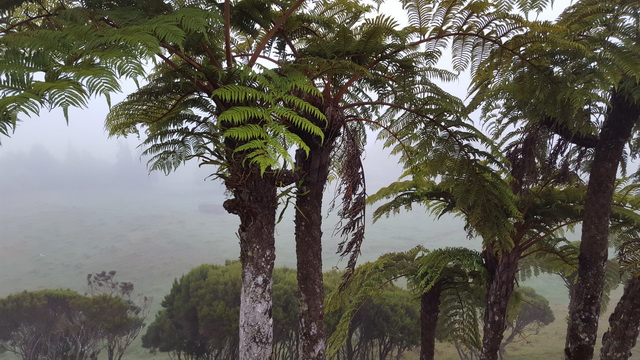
(20, 23)
(227, 32)
(276, 27)
(429, 310)
(501, 286)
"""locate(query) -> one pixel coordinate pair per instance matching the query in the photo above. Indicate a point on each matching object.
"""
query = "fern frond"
(239, 94)
(367, 281)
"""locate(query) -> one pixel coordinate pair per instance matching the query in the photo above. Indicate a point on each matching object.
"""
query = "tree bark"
(349, 345)
(429, 310)
(308, 231)
(255, 202)
(501, 285)
(584, 307)
(624, 324)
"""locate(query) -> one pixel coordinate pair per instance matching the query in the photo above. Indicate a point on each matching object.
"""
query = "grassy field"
(54, 239)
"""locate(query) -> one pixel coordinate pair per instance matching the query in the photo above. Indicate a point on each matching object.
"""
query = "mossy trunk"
(308, 231)
(255, 202)
(501, 286)
(584, 307)
(624, 324)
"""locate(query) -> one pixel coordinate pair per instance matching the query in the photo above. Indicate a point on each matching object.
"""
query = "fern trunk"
(308, 231)
(584, 307)
(429, 310)
(501, 286)
(255, 202)
(624, 324)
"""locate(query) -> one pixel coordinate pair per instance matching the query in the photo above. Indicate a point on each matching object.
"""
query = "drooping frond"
(451, 264)
(353, 191)
(469, 190)
(176, 121)
(629, 255)
(460, 313)
(43, 66)
(367, 281)
(458, 271)
(554, 255)
(419, 14)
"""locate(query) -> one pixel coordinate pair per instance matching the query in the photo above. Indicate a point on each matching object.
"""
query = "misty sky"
(84, 136)
(84, 142)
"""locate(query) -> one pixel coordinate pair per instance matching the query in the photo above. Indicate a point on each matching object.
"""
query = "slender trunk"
(429, 310)
(349, 345)
(308, 230)
(624, 324)
(509, 340)
(584, 307)
(110, 352)
(255, 202)
(500, 290)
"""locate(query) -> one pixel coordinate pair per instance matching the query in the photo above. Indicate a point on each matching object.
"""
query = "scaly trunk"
(308, 230)
(255, 202)
(501, 287)
(624, 324)
(429, 310)
(584, 307)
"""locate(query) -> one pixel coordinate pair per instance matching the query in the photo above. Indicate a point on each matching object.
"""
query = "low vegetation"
(63, 324)
(199, 319)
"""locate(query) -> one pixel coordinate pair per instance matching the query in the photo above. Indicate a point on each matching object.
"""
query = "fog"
(46, 154)
(48, 151)
(48, 164)
(73, 201)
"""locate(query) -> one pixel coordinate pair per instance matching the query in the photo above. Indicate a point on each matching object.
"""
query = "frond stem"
(31, 18)
(227, 32)
(276, 27)
(291, 45)
(184, 57)
(175, 66)
(395, 136)
(276, 62)
(210, 55)
(415, 112)
(343, 90)
(546, 233)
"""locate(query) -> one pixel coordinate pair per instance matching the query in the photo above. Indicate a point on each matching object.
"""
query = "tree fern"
(458, 270)
(368, 280)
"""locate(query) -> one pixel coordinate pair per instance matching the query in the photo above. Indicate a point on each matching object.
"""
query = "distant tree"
(385, 327)
(62, 324)
(199, 318)
(528, 313)
(285, 314)
(29, 323)
(123, 329)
